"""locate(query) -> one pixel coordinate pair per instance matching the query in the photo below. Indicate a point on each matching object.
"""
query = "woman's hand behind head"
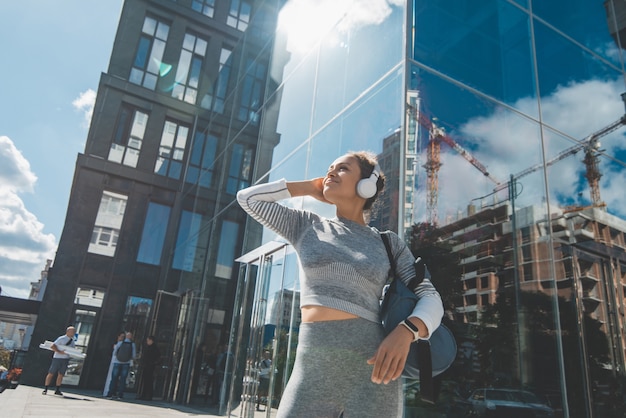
(318, 189)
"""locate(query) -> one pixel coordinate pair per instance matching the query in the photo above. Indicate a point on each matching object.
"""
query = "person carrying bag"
(427, 358)
(344, 269)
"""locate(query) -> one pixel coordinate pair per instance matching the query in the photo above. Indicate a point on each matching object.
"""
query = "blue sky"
(53, 53)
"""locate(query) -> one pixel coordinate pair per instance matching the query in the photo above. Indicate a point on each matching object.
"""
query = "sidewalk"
(27, 401)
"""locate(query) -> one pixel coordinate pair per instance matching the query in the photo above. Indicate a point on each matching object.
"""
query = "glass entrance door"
(266, 329)
(87, 304)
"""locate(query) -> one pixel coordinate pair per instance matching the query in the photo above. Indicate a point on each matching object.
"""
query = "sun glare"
(305, 22)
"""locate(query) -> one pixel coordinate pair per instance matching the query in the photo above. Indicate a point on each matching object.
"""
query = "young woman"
(345, 366)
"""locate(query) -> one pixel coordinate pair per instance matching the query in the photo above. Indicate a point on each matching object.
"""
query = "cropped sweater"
(345, 264)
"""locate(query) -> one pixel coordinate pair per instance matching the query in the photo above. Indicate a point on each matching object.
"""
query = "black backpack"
(124, 352)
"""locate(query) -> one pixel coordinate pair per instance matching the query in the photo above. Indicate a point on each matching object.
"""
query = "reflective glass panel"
(153, 235)
(485, 45)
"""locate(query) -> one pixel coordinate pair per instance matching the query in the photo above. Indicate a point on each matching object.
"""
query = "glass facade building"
(486, 118)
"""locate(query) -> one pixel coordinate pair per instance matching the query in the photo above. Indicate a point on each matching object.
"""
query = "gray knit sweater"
(345, 264)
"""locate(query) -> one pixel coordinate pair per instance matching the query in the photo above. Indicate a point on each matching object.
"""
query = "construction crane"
(591, 145)
(437, 135)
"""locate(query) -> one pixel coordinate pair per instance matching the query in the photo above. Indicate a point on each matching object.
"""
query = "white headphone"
(367, 188)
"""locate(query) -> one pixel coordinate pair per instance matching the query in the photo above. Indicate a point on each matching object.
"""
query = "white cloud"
(24, 247)
(15, 170)
(507, 144)
(307, 21)
(611, 51)
(85, 102)
(612, 190)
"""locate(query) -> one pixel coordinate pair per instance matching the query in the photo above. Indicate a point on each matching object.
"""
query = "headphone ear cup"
(366, 188)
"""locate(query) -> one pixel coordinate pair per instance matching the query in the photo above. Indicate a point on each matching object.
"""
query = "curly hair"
(367, 162)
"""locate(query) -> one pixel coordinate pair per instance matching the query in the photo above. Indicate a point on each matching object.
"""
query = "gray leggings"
(331, 377)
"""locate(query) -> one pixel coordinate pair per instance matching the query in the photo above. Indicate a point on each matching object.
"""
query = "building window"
(525, 235)
(206, 7)
(527, 255)
(240, 169)
(263, 26)
(202, 160)
(528, 272)
(216, 100)
(104, 237)
(89, 297)
(484, 283)
(191, 243)
(239, 14)
(251, 93)
(471, 300)
(128, 136)
(153, 235)
(172, 150)
(189, 69)
(148, 64)
(226, 249)
(106, 230)
(568, 267)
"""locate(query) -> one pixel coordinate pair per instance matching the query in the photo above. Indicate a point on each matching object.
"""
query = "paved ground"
(27, 401)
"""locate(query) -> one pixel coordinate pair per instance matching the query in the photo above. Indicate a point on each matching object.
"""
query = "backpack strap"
(392, 262)
(424, 357)
(420, 267)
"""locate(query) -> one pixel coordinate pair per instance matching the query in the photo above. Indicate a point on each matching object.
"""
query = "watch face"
(411, 325)
(411, 328)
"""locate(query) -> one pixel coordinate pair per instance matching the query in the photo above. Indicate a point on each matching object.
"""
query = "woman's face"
(341, 178)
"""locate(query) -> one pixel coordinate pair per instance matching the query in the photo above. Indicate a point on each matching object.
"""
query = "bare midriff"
(315, 313)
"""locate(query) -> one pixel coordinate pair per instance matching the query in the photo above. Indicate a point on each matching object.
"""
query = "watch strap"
(411, 327)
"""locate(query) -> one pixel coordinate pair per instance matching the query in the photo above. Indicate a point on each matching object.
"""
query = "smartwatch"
(411, 327)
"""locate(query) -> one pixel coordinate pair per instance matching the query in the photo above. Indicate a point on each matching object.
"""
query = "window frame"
(239, 14)
(172, 157)
(239, 168)
(190, 68)
(126, 142)
(108, 222)
(147, 65)
(205, 7)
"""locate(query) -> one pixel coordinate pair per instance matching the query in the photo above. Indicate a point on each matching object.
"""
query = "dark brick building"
(152, 229)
